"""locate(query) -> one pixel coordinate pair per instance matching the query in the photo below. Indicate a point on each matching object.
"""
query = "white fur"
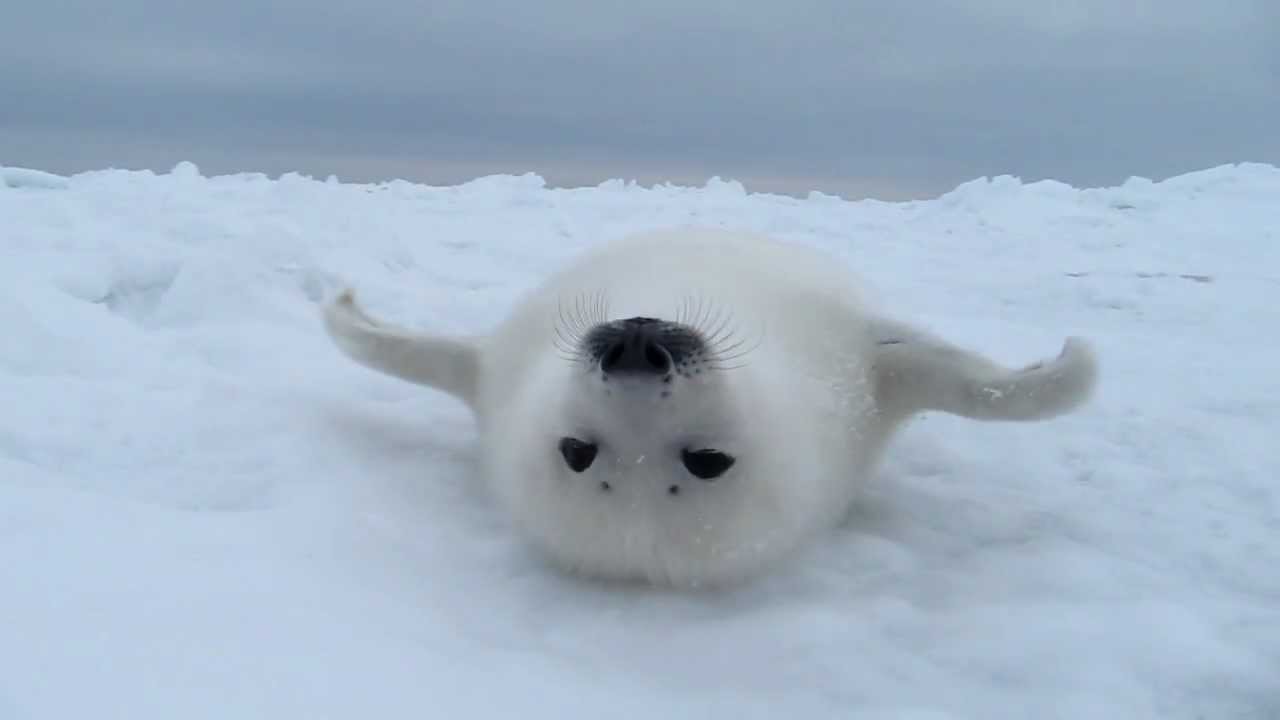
(807, 413)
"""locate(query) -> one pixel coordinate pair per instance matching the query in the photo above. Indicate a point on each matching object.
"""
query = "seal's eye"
(578, 454)
(706, 464)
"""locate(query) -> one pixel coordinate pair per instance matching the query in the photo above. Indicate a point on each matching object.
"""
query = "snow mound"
(207, 512)
(15, 177)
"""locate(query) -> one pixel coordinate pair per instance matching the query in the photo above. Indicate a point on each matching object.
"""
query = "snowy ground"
(207, 512)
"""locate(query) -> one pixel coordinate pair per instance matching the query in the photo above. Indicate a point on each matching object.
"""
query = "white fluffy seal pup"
(688, 407)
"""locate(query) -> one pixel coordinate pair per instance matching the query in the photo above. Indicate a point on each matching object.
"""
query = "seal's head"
(655, 456)
(649, 390)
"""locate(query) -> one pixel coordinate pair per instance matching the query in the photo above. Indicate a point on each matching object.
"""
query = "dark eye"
(578, 454)
(706, 464)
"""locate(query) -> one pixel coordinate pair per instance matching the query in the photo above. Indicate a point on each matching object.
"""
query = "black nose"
(636, 346)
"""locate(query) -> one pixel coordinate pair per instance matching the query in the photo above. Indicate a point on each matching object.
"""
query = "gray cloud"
(832, 94)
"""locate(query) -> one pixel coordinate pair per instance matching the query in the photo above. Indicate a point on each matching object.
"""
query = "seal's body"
(685, 407)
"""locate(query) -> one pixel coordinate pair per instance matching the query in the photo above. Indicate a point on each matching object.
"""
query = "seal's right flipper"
(916, 371)
(447, 364)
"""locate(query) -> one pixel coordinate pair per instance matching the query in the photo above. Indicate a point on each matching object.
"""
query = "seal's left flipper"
(447, 364)
(917, 371)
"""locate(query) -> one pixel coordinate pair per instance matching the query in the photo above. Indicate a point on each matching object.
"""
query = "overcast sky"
(852, 97)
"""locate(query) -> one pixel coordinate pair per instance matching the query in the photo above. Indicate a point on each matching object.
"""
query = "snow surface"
(207, 512)
(16, 177)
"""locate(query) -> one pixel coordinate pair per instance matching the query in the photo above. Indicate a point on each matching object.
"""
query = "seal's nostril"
(657, 358)
(613, 357)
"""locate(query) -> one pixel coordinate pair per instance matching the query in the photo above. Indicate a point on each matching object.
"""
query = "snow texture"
(207, 512)
(14, 177)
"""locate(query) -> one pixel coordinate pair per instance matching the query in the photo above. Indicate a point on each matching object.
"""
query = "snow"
(15, 177)
(207, 512)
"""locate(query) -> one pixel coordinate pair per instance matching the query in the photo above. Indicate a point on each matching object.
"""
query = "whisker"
(727, 350)
(723, 333)
(564, 321)
(578, 320)
(740, 348)
(575, 318)
(682, 310)
(602, 307)
(699, 314)
(569, 341)
(710, 319)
